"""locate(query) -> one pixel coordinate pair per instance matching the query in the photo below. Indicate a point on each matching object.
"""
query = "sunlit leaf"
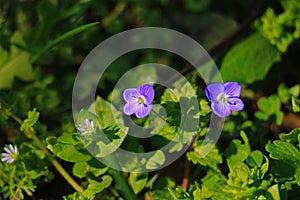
(249, 60)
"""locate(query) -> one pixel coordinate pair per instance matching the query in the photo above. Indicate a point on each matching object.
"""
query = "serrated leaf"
(280, 150)
(291, 136)
(249, 60)
(15, 63)
(32, 118)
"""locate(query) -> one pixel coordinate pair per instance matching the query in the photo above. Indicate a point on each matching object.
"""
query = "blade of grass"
(63, 37)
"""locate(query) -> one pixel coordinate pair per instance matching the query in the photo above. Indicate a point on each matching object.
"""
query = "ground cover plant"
(48, 152)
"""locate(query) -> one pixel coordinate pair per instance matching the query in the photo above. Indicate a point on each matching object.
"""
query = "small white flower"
(86, 127)
(10, 155)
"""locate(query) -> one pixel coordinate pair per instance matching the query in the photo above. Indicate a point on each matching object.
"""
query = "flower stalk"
(30, 132)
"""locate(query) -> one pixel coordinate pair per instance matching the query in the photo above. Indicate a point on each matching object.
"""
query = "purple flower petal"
(235, 104)
(131, 107)
(143, 111)
(7, 150)
(213, 90)
(233, 89)
(221, 109)
(5, 159)
(148, 92)
(130, 92)
(5, 154)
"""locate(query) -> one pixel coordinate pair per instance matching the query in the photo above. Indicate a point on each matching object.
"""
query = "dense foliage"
(254, 43)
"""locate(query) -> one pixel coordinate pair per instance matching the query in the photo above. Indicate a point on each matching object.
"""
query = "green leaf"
(291, 136)
(238, 177)
(255, 158)
(249, 60)
(197, 192)
(295, 90)
(77, 196)
(274, 191)
(237, 152)
(115, 137)
(290, 4)
(283, 93)
(31, 120)
(212, 159)
(295, 104)
(106, 113)
(63, 37)
(69, 138)
(51, 140)
(284, 151)
(179, 194)
(138, 181)
(96, 186)
(70, 153)
(15, 63)
(269, 105)
(156, 160)
(86, 169)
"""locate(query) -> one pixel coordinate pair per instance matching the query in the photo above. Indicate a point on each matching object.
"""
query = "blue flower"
(11, 153)
(138, 101)
(224, 98)
(87, 127)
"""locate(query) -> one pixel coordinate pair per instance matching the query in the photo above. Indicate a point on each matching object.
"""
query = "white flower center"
(223, 98)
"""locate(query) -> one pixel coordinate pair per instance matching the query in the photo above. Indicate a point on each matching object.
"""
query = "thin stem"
(186, 174)
(17, 119)
(30, 132)
(120, 180)
(59, 168)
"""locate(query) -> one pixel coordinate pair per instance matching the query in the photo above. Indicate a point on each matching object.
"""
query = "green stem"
(59, 168)
(120, 180)
(31, 134)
